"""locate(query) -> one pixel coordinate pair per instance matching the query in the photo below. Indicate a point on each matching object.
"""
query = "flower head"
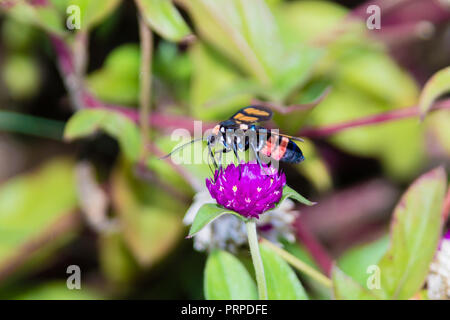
(229, 233)
(438, 280)
(247, 189)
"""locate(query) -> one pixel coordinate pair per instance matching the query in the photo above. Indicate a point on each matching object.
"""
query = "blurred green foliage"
(210, 58)
(414, 236)
(282, 282)
(37, 217)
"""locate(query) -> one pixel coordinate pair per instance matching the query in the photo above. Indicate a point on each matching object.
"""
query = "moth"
(241, 132)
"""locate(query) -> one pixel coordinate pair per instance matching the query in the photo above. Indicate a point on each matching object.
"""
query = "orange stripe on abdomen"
(269, 146)
(280, 150)
(267, 149)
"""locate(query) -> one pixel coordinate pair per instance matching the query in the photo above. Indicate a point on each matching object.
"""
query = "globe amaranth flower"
(229, 233)
(247, 189)
(438, 280)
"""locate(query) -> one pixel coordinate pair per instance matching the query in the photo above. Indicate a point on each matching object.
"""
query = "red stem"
(157, 119)
(369, 120)
(316, 249)
(165, 122)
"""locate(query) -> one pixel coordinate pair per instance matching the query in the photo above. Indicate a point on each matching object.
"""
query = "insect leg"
(238, 159)
(221, 152)
(236, 153)
(211, 154)
(258, 160)
(209, 166)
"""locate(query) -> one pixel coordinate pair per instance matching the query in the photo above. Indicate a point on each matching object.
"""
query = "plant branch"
(80, 56)
(83, 99)
(145, 77)
(370, 120)
(31, 125)
(256, 258)
(317, 251)
(159, 120)
(292, 108)
(299, 265)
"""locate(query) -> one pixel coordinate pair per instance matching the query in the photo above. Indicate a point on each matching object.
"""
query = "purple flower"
(447, 235)
(249, 190)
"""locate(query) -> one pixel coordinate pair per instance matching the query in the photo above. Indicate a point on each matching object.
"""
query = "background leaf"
(316, 290)
(45, 16)
(345, 288)
(438, 85)
(216, 85)
(93, 12)
(282, 282)
(247, 33)
(54, 290)
(315, 169)
(87, 122)
(116, 260)
(415, 232)
(118, 79)
(354, 262)
(37, 215)
(151, 229)
(227, 279)
(164, 18)
(233, 28)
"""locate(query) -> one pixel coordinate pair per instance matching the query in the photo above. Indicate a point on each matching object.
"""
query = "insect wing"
(252, 114)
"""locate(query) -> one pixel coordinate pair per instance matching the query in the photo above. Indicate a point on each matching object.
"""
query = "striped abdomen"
(282, 149)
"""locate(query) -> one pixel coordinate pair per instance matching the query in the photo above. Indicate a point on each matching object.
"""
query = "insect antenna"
(180, 148)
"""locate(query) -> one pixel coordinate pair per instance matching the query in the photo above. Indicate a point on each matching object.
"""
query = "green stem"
(27, 124)
(146, 38)
(299, 265)
(257, 261)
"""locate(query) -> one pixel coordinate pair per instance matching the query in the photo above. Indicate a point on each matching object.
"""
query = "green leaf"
(173, 67)
(208, 213)
(316, 290)
(118, 79)
(345, 288)
(197, 172)
(93, 12)
(116, 261)
(46, 16)
(37, 215)
(226, 278)
(282, 282)
(356, 260)
(294, 71)
(378, 75)
(243, 30)
(399, 145)
(438, 85)
(315, 168)
(437, 124)
(216, 86)
(288, 192)
(415, 232)
(308, 20)
(164, 18)
(246, 32)
(149, 217)
(21, 76)
(54, 290)
(87, 122)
